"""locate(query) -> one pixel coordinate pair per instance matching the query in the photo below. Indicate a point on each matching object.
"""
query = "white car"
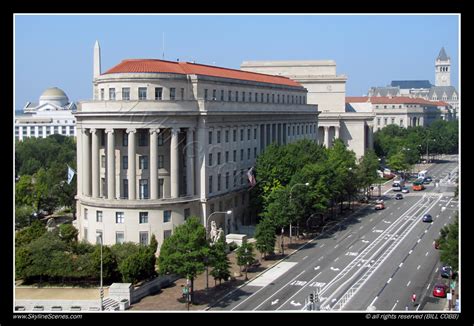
(405, 190)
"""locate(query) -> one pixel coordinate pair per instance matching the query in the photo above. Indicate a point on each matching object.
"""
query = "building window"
(268, 98)
(143, 238)
(219, 182)
(182, 94)
(172, 94)
(126, 94)
(161, 183)
(160, 139)
(218, 136)
(205, 94)
(119, 217)
(166, 234)
(187, 213)
(104, 189)
(378, 121)
(125, 162)
(227, 156)
(248, 153)
(143, 162)
(99, 237)
(124, 139)
(210, 137)
(210, 159)
(273, 98)
(101, 94)
(393, 120)
(255, 133)
(235, 155)
(255, 152)
(261, 97)
(241, 135)
(241, 154)
(248, 134)
(158, 93)
(222, 95)
(85, 213)
(161, 161)
(219, 158)
(278, 98)
(234, 135)
(385, 121)
(227, 180)
(242, 177)
(243, 96)
(143, 217)
(112, 94)
(86, 235)
(250, 96)
(125, 188)
(166, 216)
(229, 96)
(401, 122)
(142, 139)
(214, 96)
(256, 97)
(210, 184)
(119, 237)
(234, 179)
(143, 190)
(236, 201)
(227, 136)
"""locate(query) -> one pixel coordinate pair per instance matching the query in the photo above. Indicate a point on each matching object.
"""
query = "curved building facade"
(161, 141)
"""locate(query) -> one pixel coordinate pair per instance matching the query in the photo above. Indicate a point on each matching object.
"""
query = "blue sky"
(371, 50)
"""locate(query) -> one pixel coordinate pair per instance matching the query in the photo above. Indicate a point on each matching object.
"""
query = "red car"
(440, 290)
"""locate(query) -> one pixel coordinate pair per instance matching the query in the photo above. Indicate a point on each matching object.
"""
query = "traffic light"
(311, 297)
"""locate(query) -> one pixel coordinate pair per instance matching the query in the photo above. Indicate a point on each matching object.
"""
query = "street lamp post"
(101, 274)
(207, 234)
(297, 228)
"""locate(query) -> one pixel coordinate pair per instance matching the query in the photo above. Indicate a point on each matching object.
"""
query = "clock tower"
(442, 69)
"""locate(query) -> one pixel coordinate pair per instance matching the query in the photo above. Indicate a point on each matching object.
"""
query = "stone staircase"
(111, 304)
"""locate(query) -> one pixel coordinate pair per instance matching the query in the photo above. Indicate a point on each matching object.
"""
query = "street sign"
(453, 285)
(449, 296)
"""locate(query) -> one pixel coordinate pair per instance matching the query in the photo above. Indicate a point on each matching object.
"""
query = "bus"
(418, 185)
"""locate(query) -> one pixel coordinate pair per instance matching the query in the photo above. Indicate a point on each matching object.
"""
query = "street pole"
(101, 277)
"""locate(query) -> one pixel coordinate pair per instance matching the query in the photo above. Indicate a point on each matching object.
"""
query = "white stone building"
(328, 91)
(161, 141)
(52, 115)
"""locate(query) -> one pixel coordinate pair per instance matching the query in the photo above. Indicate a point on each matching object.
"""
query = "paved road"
(374, 259)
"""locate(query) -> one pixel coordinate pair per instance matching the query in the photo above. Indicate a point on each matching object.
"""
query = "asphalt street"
(374, 260)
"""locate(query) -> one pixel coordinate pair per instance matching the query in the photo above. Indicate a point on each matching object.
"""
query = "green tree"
(398, 162)
(367, 170)
(184, 252)
(219, 261)
(110, 271)
(23, 216)
(30, 233)
(245, 256)
(68, 233)
(449, 244)
(138, 266)
(265, 237)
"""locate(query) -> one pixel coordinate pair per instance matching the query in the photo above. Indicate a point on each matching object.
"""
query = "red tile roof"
(187, 68)
(392, 100)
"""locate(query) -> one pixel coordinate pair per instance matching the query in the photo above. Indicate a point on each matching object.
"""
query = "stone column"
(95, 163)
(79, 161)
(264, 138)
(132, 172)
(190, 161)
(86, 162)
(280, 134)
(154, 163)
(202, 135)
(370, 137)
(110, 163)
(326, 136)
(174, 170)
(336, 136)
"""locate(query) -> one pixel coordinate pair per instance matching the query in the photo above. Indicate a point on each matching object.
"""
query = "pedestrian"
(406, 307)
(413, 298)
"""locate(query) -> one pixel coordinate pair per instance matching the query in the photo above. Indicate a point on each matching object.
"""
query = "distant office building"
(328, 91)
(52, 115)
(440, 91)
(161, 141)
(401, 110)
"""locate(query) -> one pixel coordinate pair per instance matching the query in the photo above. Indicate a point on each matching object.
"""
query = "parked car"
(379, 205)
(427, 218)
(446, 271)
(440, 290)
(398, 196)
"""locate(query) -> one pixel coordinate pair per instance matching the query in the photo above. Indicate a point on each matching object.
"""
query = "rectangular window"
(125, 162)
(236, 96)
(98, 237)
(125, 188)
(143, 217)
(85, 213)
(393, 120)
(158, 93)
(214, 95)
(226, 156)
(230, 96)
(98, 216)
(112, 94)
(241, 154)
(235, 155)
(119, 217)
(161, 183)
(378, 121)
(278, 98)
(241, 177)
(250, 96)
(143, 190)
(401, 122)
(124, 139)
(234, 178)
(101, 94)
(160, 139)
(234, 135)
(205, 94)
(142, 138)
(187, 213)
(172, 94)
(166, 216)
(255, 152)
(273, 98)
(210, 159)
(241, 135)
(218, 136)
(243, 96)
(86, 235)
(166, 234)
(222, 95)
(161, 161)
(248, 153)
(288, 98)
(261, 97)
(268, 98)
(210, 184)
(255, 133)
(126, 93)
(143, 162)
(227, 136)
(104, 189)
(248, 134)
(210, 137)
(219, 158)
(119, 237)
(219, 182)
(256, 97)
(385, 121)
(182, 94)
(143, 238)
(227, 180)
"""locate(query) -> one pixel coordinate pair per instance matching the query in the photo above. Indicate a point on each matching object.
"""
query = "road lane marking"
(296, 304)
(316, 268)
(427, 253)
(321, 257)
(322, 245)
(365, 241)
(305, 257)
(373, 301)
(408, 283)
(418, 267)
(436, 269)
(418, 241)
(401, 264)
(335, 269)
(275, 302)
(336, 246)
(361, 228)
(336, 259)
(389, 280)
(410, 252)
(394, 305)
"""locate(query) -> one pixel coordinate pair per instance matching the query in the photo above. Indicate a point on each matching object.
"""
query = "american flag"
(251, 176)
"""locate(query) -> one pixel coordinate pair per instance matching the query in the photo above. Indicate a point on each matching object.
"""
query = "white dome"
(54, 95)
